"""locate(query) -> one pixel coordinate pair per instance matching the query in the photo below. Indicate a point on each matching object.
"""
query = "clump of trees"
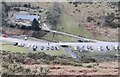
(109, 21)
(35, 26)
(5, 8)
(53, 15)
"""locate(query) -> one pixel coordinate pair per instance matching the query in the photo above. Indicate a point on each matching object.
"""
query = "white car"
(28, 46)
(115, 47)
(100, 48)
(22, 45)
(19, 44)
(47, 48)
(26, 38)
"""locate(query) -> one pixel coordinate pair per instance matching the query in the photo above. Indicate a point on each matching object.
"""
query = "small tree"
(35, 25)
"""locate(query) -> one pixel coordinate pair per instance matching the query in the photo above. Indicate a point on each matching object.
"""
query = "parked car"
(42, 48)
(47, 48)
(26, 38)
(16, 43)
(52, 48)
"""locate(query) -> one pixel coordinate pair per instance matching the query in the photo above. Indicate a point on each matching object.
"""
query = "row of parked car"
(99, 48)
(35, 47)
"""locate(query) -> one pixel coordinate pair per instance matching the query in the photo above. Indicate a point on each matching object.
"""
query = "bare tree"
(53, 15)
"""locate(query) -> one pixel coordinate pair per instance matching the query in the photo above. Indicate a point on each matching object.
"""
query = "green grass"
(57, 37)
(56, 53)
(70, 25)
(7, 47)
(88, 65)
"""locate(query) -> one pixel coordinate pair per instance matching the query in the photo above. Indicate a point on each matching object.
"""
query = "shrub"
(88, 60)
(4, 52)
(89, 19)
(89, 66)
(44, 71)
(17, 9)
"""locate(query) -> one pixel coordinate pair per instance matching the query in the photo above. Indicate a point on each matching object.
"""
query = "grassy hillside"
(71, 26)
(68, 25)
(70, 18)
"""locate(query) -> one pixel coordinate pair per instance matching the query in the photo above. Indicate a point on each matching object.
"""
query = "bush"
(30, 55)
(55, 62)
(109, 21)
(89, 66)
(5, 65)
(11, 25)
(44, 71)
(46, 61)
(89, 19)
(4, 52)
(13, 69)
(40, 55)
(88, 60)
(17, 9)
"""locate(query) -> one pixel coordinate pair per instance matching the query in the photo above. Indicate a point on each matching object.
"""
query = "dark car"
(48, 48)
(42, 48)
(16, 43)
